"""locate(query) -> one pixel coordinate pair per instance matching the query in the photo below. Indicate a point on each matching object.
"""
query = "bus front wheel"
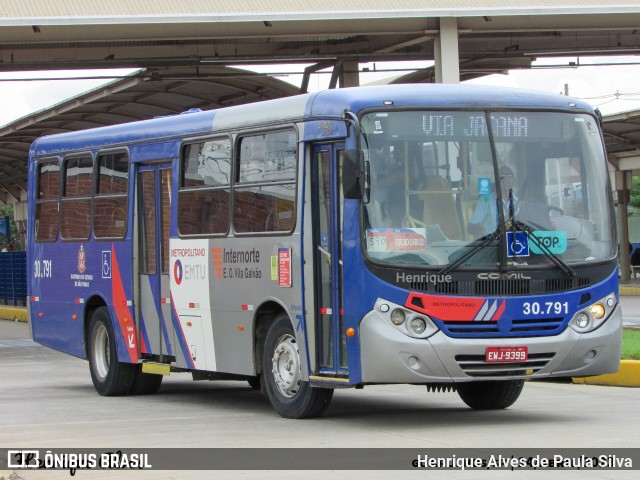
(289, 395)
(110, 377)
(490, 395)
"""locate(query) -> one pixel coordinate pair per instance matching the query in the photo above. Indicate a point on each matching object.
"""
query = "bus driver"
(484, 219)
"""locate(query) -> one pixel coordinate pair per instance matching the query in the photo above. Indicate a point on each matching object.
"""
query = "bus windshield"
(442, 185)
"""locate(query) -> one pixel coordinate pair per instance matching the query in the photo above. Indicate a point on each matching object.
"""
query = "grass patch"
(630, 344)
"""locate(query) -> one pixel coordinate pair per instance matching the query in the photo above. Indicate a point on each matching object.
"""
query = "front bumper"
(389, 356)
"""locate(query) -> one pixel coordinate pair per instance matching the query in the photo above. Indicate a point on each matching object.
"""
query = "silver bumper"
(389, 356)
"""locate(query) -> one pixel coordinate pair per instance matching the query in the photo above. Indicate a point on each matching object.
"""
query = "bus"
(409, 234)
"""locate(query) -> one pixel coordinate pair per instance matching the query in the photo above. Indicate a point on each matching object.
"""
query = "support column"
(350, 75)
(623, 192)
(446, 52)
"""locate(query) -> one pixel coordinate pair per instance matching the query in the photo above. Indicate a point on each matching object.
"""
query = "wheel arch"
(91, 305)
(263, 318)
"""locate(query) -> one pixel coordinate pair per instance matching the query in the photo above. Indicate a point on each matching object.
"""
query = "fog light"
(418, 325)
(597, 311)
(582, 320)
(397, 316)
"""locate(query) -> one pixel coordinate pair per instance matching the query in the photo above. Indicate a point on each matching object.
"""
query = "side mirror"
(353, 174)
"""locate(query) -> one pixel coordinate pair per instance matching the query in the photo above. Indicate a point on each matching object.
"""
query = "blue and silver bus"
(456, 237)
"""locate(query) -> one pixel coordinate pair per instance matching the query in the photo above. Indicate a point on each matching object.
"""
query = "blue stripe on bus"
(182, 341)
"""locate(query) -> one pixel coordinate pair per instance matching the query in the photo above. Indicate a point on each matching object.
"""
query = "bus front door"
(327, 238)
(154, 306)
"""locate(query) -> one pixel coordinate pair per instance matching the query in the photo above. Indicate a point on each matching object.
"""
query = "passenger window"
(265, 190)
(75, 206)
(48, 196)
(204, 196)
(110, 208)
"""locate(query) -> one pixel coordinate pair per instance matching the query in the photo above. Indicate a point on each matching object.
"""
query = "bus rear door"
(154, 213)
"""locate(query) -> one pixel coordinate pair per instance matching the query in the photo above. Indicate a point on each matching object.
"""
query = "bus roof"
(320, 104)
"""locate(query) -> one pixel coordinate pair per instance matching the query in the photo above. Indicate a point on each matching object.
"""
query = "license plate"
(506, 354)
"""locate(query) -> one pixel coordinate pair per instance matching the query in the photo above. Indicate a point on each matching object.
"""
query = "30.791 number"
(42, 269)
(545, 308)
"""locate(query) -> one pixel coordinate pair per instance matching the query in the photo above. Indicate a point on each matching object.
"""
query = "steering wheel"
(558, 209)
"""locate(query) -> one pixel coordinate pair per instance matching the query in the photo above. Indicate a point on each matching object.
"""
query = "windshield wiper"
(518, 225)
(515, 225)
(484, 241)
(523, 227)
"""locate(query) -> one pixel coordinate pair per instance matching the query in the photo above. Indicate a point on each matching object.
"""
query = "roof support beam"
(446, 52)
(12, 191)
(304, 86)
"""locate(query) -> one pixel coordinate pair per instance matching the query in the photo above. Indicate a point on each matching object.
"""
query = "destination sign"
(472, 125)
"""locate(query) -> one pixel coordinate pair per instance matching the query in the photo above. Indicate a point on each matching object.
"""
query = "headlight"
(597, 311)
(594, 315)
(582, 320)
(418, 325)
(397, 316)
(408, 322)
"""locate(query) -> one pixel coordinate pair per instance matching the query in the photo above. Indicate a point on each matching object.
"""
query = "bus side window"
(111, 200)
(75, 205)
(265, 191)
(47, 201)
(203, 199)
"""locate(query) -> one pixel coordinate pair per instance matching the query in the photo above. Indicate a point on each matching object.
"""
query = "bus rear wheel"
(490, 395)
(110, 377)
(289, 395)
(145, 383)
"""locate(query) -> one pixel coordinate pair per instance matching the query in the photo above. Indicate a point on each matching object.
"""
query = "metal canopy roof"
(57, 34)
(145, 94)
(622, 138)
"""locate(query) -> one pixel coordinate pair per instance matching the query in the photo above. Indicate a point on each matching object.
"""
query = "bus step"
(334, 382)
(157, 368)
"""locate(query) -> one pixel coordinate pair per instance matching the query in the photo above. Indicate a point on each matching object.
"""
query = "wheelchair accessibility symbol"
(517, 244)
(106, 264)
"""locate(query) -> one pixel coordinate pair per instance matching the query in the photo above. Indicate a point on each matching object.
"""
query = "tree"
(7, 210)
(635, 192)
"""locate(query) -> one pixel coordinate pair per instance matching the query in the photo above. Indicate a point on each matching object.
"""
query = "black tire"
(145, 383)
(282, 375)
(490, 395)
(110, 377)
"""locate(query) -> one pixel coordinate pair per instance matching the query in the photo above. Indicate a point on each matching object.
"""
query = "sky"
(611, 88)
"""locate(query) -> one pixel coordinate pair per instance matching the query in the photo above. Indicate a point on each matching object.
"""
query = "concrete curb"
(629, 290)
(13, 313)
(627, 376)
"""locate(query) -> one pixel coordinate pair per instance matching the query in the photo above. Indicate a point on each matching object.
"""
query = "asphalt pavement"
(630, 311)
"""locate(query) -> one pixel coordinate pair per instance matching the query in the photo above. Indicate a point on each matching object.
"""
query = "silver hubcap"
(101, 353)
(287, 370)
